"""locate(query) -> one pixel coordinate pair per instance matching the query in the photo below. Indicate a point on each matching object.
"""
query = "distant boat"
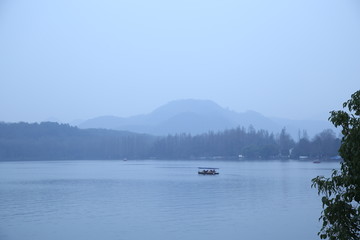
(317, 161)
(208, 171)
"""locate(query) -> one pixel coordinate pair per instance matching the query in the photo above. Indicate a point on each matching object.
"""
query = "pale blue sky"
(71, 59)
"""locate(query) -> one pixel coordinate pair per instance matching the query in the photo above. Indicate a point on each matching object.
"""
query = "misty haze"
(132, 120)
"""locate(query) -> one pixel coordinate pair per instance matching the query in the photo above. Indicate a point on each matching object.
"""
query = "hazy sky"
(71, 59)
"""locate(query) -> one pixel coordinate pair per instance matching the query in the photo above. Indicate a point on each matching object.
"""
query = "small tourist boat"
(208, 171)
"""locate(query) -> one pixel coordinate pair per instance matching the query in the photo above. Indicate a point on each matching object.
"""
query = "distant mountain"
(200, 116)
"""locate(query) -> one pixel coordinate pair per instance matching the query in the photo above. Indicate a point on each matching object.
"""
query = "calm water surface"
(160, 200)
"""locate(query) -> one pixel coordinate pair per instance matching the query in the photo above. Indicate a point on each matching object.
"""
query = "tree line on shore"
(54, 141)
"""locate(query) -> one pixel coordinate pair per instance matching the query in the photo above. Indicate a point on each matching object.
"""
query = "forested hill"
(49, 140)
(53, 141)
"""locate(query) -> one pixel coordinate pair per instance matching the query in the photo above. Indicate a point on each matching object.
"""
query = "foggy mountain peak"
(206, 107)
(200, 116)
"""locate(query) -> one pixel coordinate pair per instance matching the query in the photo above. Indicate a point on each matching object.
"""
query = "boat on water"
(208, 171)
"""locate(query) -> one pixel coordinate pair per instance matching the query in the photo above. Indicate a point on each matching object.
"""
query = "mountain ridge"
(199, 116)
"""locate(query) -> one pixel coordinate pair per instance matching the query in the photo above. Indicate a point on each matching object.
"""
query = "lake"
(160, 200)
